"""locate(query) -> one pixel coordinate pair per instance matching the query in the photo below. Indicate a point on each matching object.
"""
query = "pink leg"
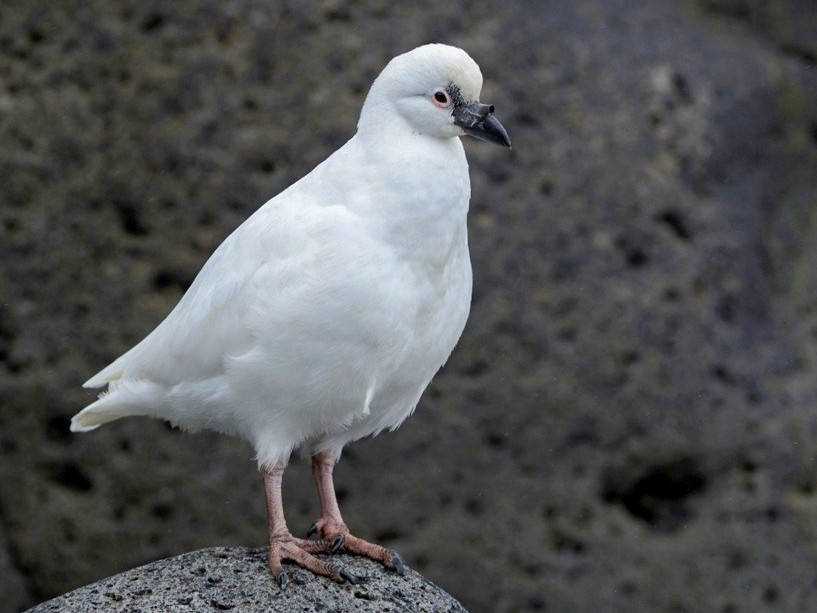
(284, 546)
(331, 525)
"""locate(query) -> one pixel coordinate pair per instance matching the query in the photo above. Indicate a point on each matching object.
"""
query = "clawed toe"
(335, 537)
(349, 577)
(339, 575)
(299, 551)
(332, 534)
(337, 542)
(397, 563)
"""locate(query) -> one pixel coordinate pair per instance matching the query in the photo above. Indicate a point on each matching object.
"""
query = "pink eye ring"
(441, 99)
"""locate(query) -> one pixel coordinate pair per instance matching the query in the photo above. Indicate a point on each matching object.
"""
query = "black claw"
(349, 577)
(282, 579)
(312, 530)
(398, 564)
(338, 543)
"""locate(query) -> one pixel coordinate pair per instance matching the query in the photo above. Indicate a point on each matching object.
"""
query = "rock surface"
(237, 579)
(630, 420)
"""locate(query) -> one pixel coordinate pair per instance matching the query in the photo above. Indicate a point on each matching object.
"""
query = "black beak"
(478, 120)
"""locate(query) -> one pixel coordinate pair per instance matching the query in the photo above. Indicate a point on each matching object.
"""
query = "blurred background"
(628, 423)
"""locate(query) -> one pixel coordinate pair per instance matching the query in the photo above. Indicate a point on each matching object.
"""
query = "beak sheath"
(477, 120)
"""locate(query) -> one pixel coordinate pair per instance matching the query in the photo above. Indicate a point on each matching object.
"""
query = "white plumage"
(324, 316)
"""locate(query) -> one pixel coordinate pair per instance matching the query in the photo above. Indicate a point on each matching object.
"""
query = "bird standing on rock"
(324, 316)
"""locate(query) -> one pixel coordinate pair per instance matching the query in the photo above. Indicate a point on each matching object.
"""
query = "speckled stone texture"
(237, 579)
(630, 420)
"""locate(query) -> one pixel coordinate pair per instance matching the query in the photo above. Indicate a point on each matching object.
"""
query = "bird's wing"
(262, 262)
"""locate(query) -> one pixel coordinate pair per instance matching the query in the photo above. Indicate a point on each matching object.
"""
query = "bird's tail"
(123, 398)
(115, 404)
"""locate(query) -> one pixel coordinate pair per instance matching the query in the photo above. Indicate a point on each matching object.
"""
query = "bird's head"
(434, 90)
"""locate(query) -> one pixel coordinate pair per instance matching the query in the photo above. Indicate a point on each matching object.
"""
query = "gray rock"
(237, 579)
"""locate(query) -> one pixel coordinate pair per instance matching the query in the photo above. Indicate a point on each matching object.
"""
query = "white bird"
(324, 316)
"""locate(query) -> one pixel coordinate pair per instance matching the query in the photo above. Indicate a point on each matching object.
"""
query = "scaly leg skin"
(331, 526)
(284, 546)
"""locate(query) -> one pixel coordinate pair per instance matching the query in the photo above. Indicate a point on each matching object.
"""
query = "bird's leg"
(284, 546)
(331, 525)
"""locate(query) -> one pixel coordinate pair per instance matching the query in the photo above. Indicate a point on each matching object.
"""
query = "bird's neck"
(417, 191)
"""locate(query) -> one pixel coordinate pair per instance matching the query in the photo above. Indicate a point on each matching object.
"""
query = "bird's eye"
(441, 98)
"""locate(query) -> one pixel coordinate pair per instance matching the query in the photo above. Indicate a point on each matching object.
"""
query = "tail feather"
(100, 412)
(108, 374)
(112, 405)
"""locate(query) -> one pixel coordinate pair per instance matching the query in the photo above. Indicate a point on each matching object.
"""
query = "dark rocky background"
(628, 423)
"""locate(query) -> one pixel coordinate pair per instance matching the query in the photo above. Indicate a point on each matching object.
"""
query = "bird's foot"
(336, 536)
(285, 547)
